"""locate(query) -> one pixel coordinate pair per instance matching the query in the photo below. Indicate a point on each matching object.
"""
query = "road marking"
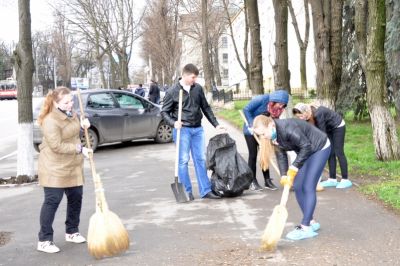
(8, 155)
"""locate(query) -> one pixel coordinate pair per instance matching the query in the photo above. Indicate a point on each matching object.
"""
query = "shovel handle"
(178, 135)
(285, 195)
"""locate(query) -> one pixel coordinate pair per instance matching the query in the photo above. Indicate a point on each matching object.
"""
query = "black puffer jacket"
(298, 136)
(192, 106)
(326, 119)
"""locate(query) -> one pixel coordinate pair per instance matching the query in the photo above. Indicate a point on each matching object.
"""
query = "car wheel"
(164, 133)
(36, 147)
(93, 138)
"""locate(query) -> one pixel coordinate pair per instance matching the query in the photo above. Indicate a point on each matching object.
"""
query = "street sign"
(81, 83)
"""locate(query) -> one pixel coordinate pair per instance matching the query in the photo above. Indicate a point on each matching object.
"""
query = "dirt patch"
(5, 237)
(18, 180)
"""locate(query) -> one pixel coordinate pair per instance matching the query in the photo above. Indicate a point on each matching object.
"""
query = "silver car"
(116, 116)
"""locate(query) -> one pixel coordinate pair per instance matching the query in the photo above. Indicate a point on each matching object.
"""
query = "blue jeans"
(52, 198)
(193, 140)
(306, 182)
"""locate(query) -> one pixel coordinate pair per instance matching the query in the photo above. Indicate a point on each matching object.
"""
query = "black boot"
(269, 185)
(255, 186)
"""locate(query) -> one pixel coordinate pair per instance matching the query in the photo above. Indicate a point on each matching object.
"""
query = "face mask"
(273, 134)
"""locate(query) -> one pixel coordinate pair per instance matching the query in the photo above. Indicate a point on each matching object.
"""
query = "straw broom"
(107, 235)
(276, 224)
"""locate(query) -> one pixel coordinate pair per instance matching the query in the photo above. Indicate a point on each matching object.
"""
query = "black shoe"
(191, 196)
(211, 195)
(255, 186)
(269, 185)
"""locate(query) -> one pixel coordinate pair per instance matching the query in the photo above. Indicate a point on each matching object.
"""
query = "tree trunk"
(327, 22)
(303, 69)
(281, 66)
(383, 126)
(217, 67)
(205, 46)
(24, 66)
(256, 67)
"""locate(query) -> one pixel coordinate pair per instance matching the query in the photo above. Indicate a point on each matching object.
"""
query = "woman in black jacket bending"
(334, 126)
(312, 148)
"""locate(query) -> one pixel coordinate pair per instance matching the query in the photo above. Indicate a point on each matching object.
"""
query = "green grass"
(377, 178)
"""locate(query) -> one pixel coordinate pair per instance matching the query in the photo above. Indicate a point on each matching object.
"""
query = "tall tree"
(281, 66)
(243, 62)
(303, 44)
(256, 67)
(24, 66)
(205, 46)
(327, 23)
(370, 42)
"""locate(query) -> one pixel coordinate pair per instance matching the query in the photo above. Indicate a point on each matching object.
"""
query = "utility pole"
(55, 73)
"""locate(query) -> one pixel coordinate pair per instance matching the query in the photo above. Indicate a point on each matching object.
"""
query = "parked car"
(116, 116)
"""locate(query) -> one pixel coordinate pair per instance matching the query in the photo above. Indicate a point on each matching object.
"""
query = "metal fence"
(229, 95)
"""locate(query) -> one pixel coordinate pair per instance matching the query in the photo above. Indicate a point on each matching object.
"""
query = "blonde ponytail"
(52, 96)
(267, 149)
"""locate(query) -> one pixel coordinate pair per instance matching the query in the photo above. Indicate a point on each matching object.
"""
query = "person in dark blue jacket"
(312, 148)
(334, 126)
(140, 91)
(273, 103)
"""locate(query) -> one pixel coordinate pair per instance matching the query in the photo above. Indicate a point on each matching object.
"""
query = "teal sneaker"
(344, 183)
(315, 226)
(329, 183)
(299, 233)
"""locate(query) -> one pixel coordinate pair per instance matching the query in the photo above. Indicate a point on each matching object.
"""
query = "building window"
(224, 42)
(226, 73)
(225, 58)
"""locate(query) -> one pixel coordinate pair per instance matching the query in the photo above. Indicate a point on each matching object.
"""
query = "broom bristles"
(107, 235)
(274, 229)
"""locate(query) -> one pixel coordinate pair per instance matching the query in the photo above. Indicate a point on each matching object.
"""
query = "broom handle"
(178, 135)
(100, 199)
(258, 141)
(285, 195)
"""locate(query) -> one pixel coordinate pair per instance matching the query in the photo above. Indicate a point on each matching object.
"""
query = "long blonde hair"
(52, 96)
(267, 149)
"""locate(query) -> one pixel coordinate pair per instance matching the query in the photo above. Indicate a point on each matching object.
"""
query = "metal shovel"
(177, 188)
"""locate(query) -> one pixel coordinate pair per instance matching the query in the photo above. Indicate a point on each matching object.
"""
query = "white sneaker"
(75, 238)
(47, 246)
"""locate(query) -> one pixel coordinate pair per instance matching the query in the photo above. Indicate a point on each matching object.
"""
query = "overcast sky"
(41, 17)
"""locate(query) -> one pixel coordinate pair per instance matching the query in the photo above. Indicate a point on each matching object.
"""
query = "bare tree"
(24, 66)
(160, 41)
(256, 67)
(243, 63)
(281, 66)
(302, 43)
(370, 42)
(327, 23)
(205, 46)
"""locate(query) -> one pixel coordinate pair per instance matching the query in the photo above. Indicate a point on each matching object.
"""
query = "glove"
(86, 151)
(288, 179)
(85, 123)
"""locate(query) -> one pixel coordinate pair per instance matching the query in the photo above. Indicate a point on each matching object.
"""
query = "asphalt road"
(136, 176)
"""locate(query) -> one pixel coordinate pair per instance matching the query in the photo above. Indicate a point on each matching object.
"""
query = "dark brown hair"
(190, 69)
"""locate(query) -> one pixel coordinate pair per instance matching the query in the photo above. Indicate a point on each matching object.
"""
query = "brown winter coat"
(60, 165)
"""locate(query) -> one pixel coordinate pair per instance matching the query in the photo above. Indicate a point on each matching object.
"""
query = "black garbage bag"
(230, 173)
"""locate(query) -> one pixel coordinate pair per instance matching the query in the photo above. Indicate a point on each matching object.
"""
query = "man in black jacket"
(194, 104)
(154, 93)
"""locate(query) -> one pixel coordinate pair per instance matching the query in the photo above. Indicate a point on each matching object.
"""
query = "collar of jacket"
(60, 115)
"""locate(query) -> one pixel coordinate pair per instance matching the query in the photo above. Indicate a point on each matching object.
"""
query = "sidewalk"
(136, 176)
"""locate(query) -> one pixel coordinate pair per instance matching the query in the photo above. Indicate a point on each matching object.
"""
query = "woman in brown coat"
(60, 166)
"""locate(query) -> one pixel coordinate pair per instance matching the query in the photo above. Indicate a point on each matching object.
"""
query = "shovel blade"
(179, 192)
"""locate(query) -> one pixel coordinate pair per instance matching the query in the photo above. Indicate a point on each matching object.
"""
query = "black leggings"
(252, 145)
(336, 137)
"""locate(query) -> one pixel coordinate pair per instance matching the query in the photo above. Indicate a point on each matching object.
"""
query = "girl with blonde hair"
(60, 166)
(312, 148)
